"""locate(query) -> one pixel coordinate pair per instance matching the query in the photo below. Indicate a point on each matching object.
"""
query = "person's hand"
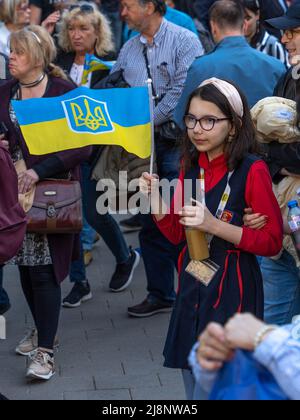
(241, 330)
(27, 180)
(50, 22)
(197, 216)
(149, 184)
(285, 172)
(4, 142)
(254, 220)
(213, 351)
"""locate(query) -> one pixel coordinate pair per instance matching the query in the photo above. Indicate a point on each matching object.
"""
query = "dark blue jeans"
(160, 256)
(105, 225)
(4, 299)
(282, 289)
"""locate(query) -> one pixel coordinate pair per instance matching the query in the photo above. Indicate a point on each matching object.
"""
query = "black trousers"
(43, 296)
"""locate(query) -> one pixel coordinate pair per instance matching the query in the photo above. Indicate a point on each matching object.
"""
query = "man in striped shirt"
(163, 52)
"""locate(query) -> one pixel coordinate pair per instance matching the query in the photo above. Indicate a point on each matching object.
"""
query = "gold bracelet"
(262, 333)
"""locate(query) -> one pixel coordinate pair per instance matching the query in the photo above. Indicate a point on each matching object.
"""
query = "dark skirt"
(237, 287)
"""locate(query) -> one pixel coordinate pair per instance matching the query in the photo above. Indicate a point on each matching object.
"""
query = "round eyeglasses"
(206, 123)
(289, 33)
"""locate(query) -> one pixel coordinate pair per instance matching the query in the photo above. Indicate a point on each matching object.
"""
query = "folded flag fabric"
(86, 117)
(93, 63)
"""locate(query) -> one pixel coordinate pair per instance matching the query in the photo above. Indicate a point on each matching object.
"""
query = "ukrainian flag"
(92, 63)
(85, 117)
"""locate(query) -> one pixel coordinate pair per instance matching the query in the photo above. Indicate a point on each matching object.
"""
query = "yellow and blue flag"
(93, 63)
(85, 117)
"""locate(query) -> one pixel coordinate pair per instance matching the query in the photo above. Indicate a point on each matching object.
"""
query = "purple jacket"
(12, 216)
(63, 248)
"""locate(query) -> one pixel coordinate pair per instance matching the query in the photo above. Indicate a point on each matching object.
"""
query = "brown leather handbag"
(56, 209)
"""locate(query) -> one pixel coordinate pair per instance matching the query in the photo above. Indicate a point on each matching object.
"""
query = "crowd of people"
(209, 63)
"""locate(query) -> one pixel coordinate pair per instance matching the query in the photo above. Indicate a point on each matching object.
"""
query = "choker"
(33, 84)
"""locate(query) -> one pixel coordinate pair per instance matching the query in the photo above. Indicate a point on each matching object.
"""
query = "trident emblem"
(86, 115)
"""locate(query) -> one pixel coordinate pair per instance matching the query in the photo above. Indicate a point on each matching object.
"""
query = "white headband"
(35, 36)
(229, 91)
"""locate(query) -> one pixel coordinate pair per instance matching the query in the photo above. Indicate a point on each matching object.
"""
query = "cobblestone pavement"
(103, 355)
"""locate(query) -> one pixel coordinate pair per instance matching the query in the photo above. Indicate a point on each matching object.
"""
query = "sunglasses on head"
(85, 8)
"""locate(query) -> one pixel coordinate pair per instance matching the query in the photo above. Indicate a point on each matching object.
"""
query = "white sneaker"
(41, 366)
(28, 344)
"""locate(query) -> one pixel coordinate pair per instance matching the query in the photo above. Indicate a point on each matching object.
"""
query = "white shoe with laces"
(41, 366)
(28, 344)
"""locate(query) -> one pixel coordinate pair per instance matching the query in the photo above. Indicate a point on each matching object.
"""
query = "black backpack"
(113, 80)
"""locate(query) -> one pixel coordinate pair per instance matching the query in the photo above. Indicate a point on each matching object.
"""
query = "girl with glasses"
(219, 158)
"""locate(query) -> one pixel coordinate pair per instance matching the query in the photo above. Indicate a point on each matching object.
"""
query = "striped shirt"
(270, 45)
(173, 51)
(3, 67)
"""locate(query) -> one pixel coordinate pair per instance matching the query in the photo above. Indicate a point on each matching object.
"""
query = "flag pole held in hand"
(151, 104)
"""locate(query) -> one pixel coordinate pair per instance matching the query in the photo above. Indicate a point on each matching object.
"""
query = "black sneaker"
(4, 308)
(132, 224)
(123, 275)
(147, 308)
(79, 294)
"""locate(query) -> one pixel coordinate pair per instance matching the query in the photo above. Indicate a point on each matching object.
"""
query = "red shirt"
(258, 195)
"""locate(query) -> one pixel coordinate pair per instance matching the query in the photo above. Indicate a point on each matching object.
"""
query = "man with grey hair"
(162, 52)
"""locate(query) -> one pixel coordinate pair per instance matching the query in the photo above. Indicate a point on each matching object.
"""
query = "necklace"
(33, 84)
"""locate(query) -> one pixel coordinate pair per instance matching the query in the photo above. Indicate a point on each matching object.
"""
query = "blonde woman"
(14, 15)
(44, 260)
(84, 31)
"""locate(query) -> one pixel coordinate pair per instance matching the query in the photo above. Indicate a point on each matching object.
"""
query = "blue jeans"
(87, 236)
(282, 289)
(4, 299)
(105, 225)
(160, 256)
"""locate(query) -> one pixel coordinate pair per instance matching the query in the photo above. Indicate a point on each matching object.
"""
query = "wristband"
(262, 333)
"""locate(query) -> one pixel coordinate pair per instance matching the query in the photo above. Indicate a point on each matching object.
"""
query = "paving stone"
(172, 393)
(132, 380)
(103, 354)
(102, 395)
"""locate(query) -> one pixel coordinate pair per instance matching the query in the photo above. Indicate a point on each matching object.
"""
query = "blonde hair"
(40, 48)
(104, 43)
(8, 10)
